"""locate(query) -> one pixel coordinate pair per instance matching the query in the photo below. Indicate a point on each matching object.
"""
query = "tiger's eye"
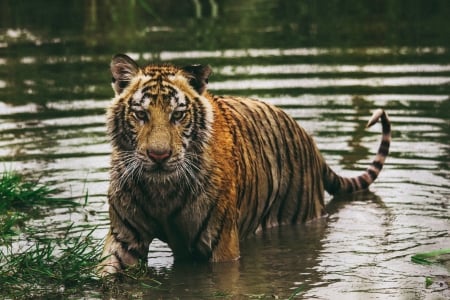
(178, 115)
(140, 115)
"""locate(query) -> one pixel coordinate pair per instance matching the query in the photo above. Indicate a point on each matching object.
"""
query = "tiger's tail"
(335, 184)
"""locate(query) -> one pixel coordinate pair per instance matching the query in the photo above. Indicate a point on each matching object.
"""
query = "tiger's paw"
(109, 266)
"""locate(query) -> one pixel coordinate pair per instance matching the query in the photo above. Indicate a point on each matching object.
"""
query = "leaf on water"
(428, 281)
(441, 256)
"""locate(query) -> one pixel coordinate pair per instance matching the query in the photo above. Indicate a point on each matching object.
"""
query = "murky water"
(54, 88)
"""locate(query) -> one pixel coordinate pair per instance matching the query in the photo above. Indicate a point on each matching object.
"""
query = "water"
(328, 66)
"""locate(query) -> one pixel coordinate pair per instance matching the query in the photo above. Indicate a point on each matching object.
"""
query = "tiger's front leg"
(116, 257)
(227, 248)
(222, 235)
(123, 248)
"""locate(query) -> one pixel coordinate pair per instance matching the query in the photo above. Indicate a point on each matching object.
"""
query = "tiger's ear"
(198, 76)
(123, 69)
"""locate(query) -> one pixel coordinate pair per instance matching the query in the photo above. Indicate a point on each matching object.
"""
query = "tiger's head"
(159, 120)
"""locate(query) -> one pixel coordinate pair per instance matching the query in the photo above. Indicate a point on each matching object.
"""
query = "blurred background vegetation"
(42, 39)
(211, 24)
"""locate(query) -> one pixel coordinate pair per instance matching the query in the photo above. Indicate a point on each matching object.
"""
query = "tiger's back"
(278, 166)
(202, 172)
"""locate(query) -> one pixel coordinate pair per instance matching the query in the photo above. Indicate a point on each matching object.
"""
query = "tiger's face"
(158, 121)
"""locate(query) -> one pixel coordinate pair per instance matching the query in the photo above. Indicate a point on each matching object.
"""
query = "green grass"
(49, 267)
(22, 199)
(18, 193)
(65, 267)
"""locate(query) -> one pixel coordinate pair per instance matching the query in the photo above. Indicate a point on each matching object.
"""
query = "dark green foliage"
(18, 194)
(441, 256)
(21, 200)
(50, 267)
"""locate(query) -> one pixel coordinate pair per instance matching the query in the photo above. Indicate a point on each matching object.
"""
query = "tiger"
(202, 172)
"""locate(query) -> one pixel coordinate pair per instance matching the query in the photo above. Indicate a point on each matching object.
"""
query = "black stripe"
(378, 165)
(197, 124)
(289, 132)
(364, 184)
(199, 119)
(272, 142)
(218, 235)
(248, 129)
(145, 89)
(203, 226)
(373, 175)
(257, 148)
(151, 80)
(304, 196)
(126, 223)
(354, 184)
(258, 124)
(275, 147)
(247, 195)
(239, 150)
(384, 148)
(133, 252)
(309, 204)
(146, 95)
(188, 126)
(119, 259)
(308, 176)
(124, 128)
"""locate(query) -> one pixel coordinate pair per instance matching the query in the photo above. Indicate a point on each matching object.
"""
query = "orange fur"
(202, 172)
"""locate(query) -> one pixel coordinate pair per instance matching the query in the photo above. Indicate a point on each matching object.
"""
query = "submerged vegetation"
(44, 266)
(21, 200)
(438, 257)
(52, 267)
(48, 267)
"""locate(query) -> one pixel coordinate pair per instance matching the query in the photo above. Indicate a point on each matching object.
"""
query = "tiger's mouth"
(160, 168)
(179, 168)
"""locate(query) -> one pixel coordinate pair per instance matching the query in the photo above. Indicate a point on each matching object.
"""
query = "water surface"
(54, 89)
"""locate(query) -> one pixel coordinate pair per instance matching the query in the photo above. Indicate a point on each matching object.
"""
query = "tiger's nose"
(159, 156)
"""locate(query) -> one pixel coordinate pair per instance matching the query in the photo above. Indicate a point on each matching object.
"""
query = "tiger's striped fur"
(202, 172)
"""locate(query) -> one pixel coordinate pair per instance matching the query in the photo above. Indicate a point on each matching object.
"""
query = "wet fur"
(234, 166)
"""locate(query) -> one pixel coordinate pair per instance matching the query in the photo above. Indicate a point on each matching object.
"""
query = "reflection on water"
(54, 88)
